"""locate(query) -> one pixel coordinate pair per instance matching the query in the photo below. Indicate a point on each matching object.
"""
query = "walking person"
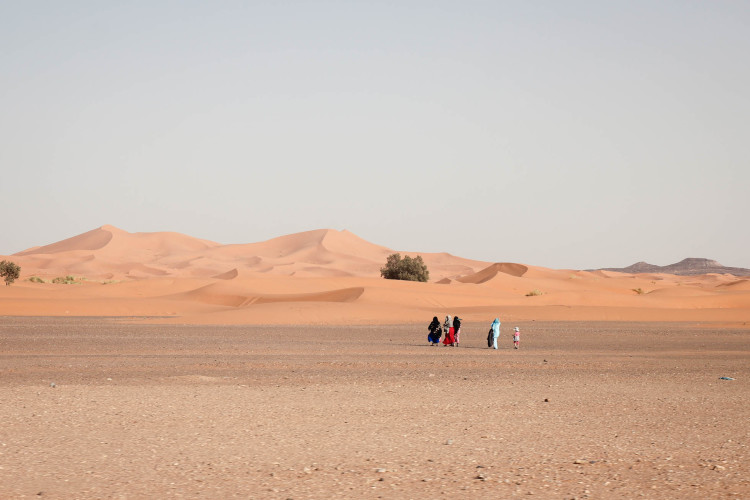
(493, 334)
(457, 329)
(435, 331)
(449, 332)
(516, 337)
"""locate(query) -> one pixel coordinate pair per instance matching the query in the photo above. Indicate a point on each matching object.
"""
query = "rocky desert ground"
(108, 408)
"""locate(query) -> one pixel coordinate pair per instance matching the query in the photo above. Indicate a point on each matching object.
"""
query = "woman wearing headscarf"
(448, 330)
(435, 331)
(457, 329)
(494, 334)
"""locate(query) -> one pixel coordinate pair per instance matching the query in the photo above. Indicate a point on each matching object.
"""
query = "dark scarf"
(434, 326)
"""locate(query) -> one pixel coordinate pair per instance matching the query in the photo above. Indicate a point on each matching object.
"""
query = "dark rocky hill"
(686, 267)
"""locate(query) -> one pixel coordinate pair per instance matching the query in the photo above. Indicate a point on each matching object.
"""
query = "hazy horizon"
(564, 135)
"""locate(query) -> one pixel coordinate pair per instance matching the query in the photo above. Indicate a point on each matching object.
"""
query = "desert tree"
(9, 271)
(407, 268)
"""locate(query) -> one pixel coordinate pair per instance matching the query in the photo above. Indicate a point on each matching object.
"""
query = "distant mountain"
(686, 267)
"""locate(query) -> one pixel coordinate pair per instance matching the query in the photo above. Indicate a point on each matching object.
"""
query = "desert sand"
(99, 408)
(332, 277)
(178, 367)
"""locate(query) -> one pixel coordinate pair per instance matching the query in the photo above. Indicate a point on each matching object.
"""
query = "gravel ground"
(101, 408)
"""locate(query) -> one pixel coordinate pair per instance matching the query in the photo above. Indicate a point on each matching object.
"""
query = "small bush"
(639, 291)
(407, 268)
(9, 271)
(36, 279)
(534, 293)
(67, 280)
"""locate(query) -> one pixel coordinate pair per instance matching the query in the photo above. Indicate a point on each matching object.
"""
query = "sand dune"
(113, 241)
(490, 272)
(604, 274)
(229, 275)
(92, 240)
(230, 295)
(327, 276)
(742, 284)
(680, 292)
(113, 253)
(342, 295)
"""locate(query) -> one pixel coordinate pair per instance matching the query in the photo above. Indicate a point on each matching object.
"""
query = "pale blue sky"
(562, 134)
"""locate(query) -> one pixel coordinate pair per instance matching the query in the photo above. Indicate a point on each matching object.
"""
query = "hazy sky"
(564, 134)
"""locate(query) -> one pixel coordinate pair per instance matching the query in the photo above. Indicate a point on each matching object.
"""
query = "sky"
(576, 134)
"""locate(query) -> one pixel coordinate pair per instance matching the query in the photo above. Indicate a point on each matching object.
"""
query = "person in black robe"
(457, 329)
(435, 331)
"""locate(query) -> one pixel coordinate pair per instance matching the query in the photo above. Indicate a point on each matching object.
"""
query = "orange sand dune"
(92, 240)
(233, 296)
(490, 272)
(322, 252)
(109, 240)
(111, 253)
(680, 291)
(742, 284)
(333, 277)
(229, 275)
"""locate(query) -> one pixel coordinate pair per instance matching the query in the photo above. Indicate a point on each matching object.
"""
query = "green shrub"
(67, 280)
(534, 293)
(407, 268)
(9, 271)
(36, 279)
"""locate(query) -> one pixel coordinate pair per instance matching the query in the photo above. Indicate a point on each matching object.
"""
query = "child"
(516, 337)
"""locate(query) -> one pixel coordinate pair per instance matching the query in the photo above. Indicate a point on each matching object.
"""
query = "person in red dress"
(448, 330)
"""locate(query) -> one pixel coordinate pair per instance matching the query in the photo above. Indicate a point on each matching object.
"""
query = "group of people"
(450, 328)
(452, 331)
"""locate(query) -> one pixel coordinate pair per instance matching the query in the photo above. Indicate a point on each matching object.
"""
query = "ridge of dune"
(348, 242)
(319, 252)
(340, 295)
(236, 297)
(319, 243)
(136, 269)
(91, 240)
(604, 274)
(486, 274)
(289, 244)
(320, 271)
(444, 265)
(737, 285)
(110, 240)
(229, 275)
(110, 249)
(679, 292)
(158, 244)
